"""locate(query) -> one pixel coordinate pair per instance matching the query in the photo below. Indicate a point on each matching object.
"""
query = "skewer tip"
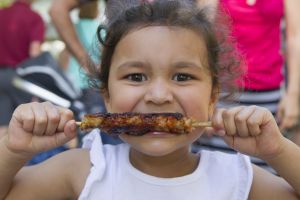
(78, 123)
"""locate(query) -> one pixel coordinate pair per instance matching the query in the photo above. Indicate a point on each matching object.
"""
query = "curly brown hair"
(127, 15)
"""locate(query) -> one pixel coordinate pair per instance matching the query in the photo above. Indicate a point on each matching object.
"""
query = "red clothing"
(19, 26)
(257, 32)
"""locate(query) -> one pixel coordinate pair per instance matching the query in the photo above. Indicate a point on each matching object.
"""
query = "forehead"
(162, 43)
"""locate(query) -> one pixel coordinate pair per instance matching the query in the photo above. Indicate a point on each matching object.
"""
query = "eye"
(182, 77)
(137, 77)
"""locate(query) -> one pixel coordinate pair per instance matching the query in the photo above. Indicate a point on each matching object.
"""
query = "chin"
(155, 148)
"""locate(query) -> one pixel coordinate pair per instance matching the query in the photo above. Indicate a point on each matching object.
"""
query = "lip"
(159, 134)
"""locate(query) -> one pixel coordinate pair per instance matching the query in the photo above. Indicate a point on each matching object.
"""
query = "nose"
(159, 92)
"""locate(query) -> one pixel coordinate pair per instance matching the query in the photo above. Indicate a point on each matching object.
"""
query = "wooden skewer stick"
(78, 123)
(194, 124)
(202, 124)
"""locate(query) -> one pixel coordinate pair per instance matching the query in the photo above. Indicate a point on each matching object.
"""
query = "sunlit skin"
(175, 80)
(154, 69)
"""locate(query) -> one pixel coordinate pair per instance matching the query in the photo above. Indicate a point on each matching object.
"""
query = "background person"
(256, 29)
(21, 35)
(60, 15)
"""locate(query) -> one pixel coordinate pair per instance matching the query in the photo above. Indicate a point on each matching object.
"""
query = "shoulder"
(233, 172)
(227, 159)
(36, 17)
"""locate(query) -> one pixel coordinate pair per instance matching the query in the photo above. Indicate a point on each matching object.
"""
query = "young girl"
(158, 57)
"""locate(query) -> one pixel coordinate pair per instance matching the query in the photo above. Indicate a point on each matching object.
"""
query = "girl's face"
(160, 69)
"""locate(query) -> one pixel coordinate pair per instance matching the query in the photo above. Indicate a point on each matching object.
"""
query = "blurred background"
(53, 43)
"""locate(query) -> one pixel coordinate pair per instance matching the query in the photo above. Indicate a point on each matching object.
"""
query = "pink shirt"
(257, 32)
(19, 26)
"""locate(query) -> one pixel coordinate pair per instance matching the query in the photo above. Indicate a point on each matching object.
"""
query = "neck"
(179, 163)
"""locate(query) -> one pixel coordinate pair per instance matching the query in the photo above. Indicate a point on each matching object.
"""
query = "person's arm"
(34, 128)
(60, 15)
(34, 48)
(253, 131)
(53, 179)
(267, 186)
(36, 35)
(289, 109)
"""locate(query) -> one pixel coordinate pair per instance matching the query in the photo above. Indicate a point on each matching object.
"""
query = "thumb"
(68, 134)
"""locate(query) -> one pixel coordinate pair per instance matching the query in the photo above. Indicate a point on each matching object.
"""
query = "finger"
(53, 118)
(229, 120)
(217, 122)
(65, 116)
(49, 142)
(40, 119)
(288, 122)
(25, 116)
(259, 118)
(241, 144)
(217, 119)
(241, 120)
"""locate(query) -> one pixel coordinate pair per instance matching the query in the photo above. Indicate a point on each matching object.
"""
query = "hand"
(288, 111)
(37, 127)
(250, 130)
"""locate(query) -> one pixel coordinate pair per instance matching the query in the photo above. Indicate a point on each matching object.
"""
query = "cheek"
(123, 99)
(196, 103)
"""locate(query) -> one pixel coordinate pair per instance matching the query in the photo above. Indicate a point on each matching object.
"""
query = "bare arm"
(34, 128)
(287, 164)
(293, 45)
(52, 179)
(60, 15)
(289, 107)
(267, 186)
(35, 48)
(10, 164)
(253, 131)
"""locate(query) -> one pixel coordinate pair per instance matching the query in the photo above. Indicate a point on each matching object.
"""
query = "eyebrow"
(185, 64)
(136, 64)
(180, 64)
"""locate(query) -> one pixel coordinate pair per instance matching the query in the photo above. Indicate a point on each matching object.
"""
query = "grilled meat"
(137, 123)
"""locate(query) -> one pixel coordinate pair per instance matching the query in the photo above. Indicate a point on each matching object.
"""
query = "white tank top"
(112, 177)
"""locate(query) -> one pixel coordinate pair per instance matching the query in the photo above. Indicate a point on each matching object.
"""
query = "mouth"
(157, 134)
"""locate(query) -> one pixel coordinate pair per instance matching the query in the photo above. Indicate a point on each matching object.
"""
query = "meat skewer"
(140, 124)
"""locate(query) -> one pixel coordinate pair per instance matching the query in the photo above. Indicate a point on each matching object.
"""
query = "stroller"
(43, 79)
